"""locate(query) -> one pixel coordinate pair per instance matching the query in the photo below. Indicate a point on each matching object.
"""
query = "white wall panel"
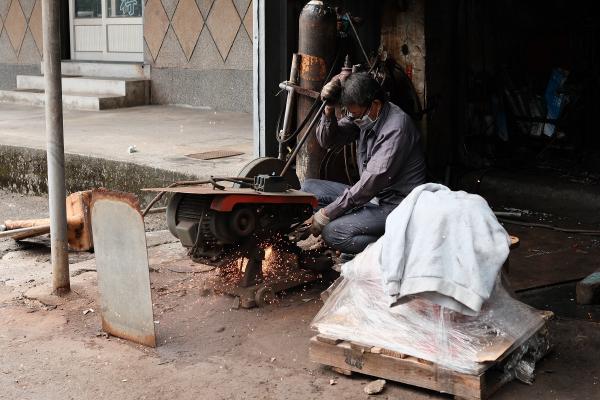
(125, 38)
(88, 38)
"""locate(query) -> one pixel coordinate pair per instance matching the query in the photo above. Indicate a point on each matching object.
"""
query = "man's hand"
(320, 219)
(331, 92)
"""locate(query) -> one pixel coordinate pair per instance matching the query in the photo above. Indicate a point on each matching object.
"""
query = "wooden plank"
(393, 353)
(365, 348)
(418, 372)
(408, 371)
(24, 233)
(328, 339)
(504, 346)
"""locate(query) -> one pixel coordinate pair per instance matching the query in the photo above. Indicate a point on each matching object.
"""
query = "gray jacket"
(390, 158)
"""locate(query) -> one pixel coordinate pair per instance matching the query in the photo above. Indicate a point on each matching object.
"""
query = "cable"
(590, 232)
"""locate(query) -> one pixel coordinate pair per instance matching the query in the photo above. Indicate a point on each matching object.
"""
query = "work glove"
(318, 222)
(332, 91)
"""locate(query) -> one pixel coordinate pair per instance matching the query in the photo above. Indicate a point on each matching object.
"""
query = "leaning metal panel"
(122, 264)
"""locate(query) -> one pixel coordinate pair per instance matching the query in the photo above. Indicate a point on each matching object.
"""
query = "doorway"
(107, 30)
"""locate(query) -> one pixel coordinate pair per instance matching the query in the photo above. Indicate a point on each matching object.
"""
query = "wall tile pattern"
(205, 34)
(20, 31)
(199, 34)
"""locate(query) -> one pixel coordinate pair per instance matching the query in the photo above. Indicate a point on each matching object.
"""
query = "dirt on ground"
(208, 349)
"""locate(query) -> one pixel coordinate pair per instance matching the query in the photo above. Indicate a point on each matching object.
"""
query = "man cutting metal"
(390, 161)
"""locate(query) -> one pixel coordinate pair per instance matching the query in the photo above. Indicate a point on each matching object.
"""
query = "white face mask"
(365, 122)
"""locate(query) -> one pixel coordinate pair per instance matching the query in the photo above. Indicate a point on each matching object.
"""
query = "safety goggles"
(354, 117)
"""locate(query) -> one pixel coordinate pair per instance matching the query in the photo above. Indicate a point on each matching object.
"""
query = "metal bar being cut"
(55, 147)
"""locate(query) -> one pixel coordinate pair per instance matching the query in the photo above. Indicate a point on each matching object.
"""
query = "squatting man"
(390, 162)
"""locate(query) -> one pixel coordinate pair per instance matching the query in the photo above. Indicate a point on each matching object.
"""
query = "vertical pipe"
(55, 147)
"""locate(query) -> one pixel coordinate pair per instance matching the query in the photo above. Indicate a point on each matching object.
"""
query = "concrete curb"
(24, 170)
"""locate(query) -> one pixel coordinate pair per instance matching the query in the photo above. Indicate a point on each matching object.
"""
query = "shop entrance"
(107, 30)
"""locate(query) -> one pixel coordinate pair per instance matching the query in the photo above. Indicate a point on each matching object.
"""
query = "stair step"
(105, 69)
(79, 84)
(80, 101)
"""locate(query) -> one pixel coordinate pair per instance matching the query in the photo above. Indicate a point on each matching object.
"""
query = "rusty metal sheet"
(122, 264)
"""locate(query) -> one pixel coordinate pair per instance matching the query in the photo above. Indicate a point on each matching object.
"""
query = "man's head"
(362, 96)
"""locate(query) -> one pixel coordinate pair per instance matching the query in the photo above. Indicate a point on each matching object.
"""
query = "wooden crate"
(347, 357)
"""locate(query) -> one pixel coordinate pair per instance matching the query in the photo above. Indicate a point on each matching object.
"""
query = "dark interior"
(513, 85)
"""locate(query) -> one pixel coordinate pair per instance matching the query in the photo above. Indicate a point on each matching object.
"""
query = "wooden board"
(381, 363)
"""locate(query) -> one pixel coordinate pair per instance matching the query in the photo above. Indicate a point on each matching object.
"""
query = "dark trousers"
(354, 231)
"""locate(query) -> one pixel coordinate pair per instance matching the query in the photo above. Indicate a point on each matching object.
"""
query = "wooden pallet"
(347, 357)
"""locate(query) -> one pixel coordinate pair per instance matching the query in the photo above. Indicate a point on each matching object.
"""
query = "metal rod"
(358, 40)
(303, 140)
(55, 147)
(287, 118)
(157, 210)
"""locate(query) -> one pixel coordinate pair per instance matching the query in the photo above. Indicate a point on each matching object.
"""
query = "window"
(88, 8)
(124, 8)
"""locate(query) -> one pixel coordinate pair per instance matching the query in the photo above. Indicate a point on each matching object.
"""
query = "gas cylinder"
(317, 44)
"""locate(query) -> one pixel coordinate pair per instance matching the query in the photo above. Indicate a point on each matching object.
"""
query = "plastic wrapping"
(358, 310)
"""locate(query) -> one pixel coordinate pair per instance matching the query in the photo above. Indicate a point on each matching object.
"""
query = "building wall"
(20, 39)
(403, 28)
(200, 52)
(403, 37)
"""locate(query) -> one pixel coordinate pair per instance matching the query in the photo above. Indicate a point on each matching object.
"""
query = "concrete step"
(137, 90)
(80, 101)
(105, 69)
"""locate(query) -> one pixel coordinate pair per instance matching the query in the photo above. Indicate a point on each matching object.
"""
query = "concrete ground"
(206, 349)
(163, 135)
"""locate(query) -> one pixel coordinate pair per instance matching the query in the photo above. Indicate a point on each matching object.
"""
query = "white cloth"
(441, 245)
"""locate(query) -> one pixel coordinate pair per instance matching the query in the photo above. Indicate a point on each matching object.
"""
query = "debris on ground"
(89, 310)
(588, 290)
(236, 304)
(375, 387)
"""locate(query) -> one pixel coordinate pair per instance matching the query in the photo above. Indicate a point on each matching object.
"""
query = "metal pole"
(303, 140)
(55, 147)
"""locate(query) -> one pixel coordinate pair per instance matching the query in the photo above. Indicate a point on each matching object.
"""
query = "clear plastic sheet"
(358, 310)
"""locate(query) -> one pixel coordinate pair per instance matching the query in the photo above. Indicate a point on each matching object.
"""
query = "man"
(390, 161)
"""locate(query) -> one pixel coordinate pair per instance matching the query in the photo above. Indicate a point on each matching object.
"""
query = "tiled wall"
(20, 31)
(200, 52)
(199, 33)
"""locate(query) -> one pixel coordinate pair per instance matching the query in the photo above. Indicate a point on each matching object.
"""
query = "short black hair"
(361, 89)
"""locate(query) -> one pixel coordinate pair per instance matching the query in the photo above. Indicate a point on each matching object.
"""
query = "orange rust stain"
(312, 68)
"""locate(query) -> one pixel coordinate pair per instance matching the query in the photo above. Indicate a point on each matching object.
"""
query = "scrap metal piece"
(122, 264)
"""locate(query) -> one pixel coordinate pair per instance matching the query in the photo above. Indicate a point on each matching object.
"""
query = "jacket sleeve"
(332, 132)
(390, 153)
